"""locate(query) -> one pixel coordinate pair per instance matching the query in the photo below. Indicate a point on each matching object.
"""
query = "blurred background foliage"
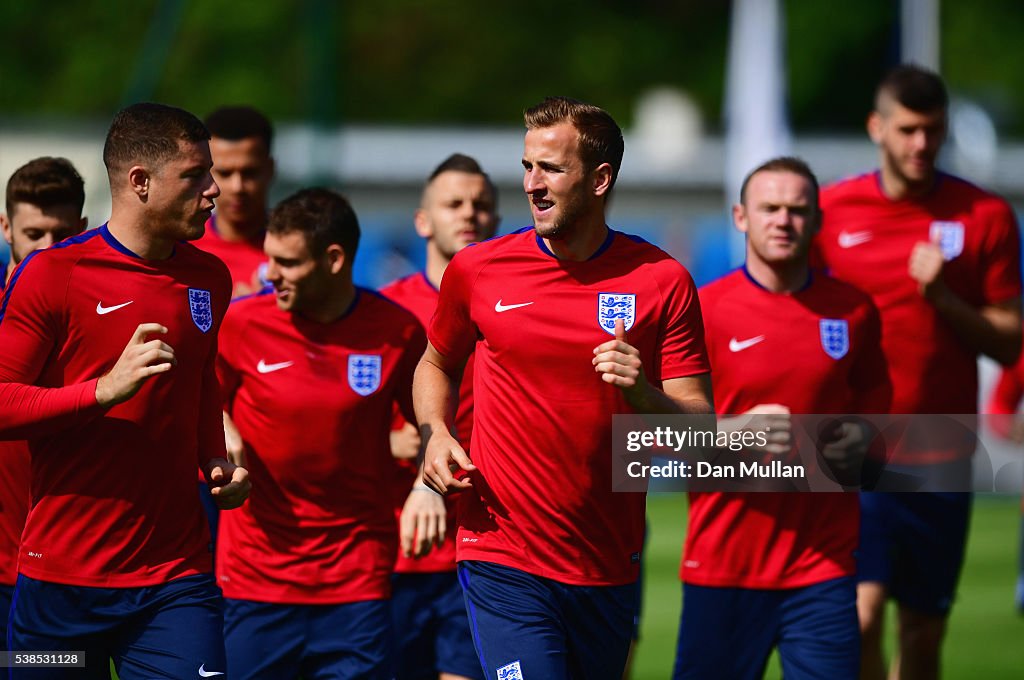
(459, 62)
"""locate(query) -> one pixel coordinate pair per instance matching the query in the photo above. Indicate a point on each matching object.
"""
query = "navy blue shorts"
(431, 629)
(527, 626)
(173, 630)
(913, 543)
(268, 641)
(730, 632)
(6, 592)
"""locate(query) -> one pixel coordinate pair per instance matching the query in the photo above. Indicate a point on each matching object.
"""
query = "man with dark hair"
(764, 570)
(310, 371)
(114, 558)
(458, 207)
(241, 143)
(940, 258)
(547, 310)
(44, 205)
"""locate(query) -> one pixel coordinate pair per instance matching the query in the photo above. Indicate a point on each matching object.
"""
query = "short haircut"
(600, 138)
(913, 87)
(323, 216)
(149, 133)
(46, 182)
(791, 164)
(240, 122)
(460, 162)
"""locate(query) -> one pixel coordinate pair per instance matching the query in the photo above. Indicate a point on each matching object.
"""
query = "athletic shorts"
(913, 543)
(432, 635)
(268, 641)
(527, 627)
(173, 630)
(730, 632)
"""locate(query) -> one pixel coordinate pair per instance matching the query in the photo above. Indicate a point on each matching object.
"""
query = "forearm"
(434, 398)
(992, 330)
(656, 402)
(686, 396)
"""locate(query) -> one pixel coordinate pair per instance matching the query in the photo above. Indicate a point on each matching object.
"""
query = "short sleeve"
(452, 331)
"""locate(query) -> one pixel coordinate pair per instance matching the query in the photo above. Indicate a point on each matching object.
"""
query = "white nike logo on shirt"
(849, 239)
(740, 345)
(100, 309)
(504, 308)
(264, 367)
(203, 673)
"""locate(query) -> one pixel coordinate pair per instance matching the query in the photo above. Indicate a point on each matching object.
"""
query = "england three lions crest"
(949, 236)
(835, 337)
(201, 308)
(364, 371)
(614, 306)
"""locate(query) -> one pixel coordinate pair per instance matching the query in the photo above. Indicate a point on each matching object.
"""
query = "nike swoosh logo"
(498, 307)
(100, 309)
(740, 345)
(264, 367)
(849, 239)
(203, 673)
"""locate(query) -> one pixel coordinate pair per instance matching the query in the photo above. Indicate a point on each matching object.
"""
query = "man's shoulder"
(374, 305)
(854, 187)
(202, 258)
(959, 190)
(410, 285)
(645, 257)
(723, 285)
(62, 256)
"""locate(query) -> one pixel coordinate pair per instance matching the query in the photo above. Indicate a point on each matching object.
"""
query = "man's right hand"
(140, 360)
(444, 456)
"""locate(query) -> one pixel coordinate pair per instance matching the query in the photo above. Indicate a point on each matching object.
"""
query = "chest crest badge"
(201, 308)
(835, 337)
(613, 306)
(364, 373)
(949, 236)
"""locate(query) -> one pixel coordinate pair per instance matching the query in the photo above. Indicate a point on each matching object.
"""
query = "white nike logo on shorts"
(100, 309)
(203, 673)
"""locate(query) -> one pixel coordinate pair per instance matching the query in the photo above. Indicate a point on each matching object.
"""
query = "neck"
(581, 243)
(131, 232)
(779, 278)
(11, 266)
(898, 188)
(437, 262)
(234, 232)
(335, 305)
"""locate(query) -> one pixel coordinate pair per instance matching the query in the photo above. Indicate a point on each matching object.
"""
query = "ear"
(336, 259)
(138, 180)
(5, 224)
(875, 125)
(739, 217)
(602, 179)
(422, 223)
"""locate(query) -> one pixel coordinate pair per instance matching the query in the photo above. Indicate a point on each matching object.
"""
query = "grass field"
(986, 635)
